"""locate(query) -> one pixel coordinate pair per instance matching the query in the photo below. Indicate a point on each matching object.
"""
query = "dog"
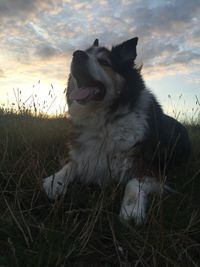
(120, 130)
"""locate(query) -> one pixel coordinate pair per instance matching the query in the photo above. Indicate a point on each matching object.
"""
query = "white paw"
(132, 209)
(53, 187)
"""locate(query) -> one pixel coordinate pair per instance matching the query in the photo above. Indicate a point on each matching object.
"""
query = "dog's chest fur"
(104, 150)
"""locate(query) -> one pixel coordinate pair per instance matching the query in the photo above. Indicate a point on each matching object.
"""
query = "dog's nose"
(79, 54)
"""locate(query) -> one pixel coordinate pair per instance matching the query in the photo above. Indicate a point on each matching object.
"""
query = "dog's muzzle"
(88, 88)
(79, 67)
(80, 55)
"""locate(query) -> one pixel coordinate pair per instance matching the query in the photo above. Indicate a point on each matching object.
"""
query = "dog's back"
(174, 138)
(167, 144)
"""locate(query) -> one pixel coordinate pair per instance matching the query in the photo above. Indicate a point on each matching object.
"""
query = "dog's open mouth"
(86, 93)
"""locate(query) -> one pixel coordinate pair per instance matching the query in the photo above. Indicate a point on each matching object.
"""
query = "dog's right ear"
(126, 51)
(96, 42)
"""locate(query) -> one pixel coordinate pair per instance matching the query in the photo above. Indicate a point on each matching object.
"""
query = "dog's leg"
(135, 198)
(56, 184)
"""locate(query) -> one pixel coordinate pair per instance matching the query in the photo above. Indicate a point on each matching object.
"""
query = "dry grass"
(86, 230)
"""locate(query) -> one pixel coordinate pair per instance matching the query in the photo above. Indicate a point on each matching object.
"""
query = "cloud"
(38, 31)
(163, 27)
(47, 51)
(34, 30)
(193, 39)
(27, 8)
(164, 18)
(16, 7)
(186, 57)
(155, 52)
(160, 70)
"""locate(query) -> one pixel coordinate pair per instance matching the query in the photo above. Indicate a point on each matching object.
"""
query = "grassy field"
(84, 229)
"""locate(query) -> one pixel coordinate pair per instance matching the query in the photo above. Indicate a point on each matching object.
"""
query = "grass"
(84, 229)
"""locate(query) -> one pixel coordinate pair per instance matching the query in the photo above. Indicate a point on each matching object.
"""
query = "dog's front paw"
(133, 210)
(53, 187)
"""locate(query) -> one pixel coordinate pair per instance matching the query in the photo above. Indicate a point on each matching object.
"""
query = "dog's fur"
(120, 130)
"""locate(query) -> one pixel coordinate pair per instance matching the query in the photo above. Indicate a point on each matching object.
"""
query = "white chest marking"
(104, 151)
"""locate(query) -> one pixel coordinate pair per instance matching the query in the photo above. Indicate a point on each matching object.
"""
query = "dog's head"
(99, 75)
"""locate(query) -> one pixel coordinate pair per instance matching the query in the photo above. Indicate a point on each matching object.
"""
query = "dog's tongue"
(84, 93)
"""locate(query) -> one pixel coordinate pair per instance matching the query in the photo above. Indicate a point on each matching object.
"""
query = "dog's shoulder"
(132, 124)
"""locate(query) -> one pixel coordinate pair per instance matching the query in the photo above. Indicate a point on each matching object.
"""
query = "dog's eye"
(104, 62)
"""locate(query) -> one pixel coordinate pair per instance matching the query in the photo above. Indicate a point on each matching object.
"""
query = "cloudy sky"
(37, 39)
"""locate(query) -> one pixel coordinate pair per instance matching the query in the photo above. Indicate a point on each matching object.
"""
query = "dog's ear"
(96, 42)
(126, 51)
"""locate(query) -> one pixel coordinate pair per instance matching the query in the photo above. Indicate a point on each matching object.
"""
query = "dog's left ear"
(96, 42)
(126, 51)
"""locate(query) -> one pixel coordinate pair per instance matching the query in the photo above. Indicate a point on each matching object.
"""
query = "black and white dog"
(120, 130)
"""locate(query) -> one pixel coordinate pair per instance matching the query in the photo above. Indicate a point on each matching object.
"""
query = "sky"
(37, 39)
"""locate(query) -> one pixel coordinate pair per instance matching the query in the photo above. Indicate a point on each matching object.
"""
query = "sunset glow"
(37, 39)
